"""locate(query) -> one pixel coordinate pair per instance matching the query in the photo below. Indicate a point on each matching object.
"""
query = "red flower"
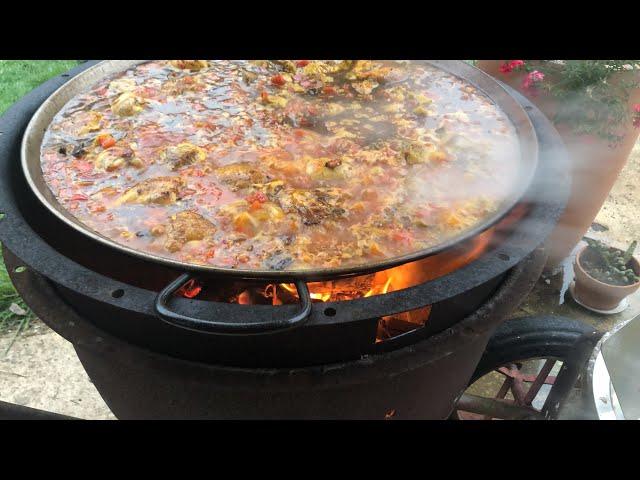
(636, 107)
(512, 65)
(505, 67)
(531, 79)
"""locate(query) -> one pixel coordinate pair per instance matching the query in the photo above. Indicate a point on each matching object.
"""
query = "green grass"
(15, 316)
(18, 77)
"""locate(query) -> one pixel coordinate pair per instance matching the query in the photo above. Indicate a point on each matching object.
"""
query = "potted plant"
(605, 275)
(595, 106)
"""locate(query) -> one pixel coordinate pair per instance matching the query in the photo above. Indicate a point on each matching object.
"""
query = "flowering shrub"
(510, 66)
(531, 80)
(636, 115)
(588, 99)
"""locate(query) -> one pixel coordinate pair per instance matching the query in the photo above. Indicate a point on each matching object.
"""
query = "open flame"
(364, 286)
(379, 283)
(384, 289)
(321, 296)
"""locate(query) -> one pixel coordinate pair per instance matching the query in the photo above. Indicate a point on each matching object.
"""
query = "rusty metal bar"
(525, 378)
(539, 381)
(504, 389)
(495, 408)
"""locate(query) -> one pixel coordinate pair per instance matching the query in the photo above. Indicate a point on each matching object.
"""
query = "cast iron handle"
(163, 311)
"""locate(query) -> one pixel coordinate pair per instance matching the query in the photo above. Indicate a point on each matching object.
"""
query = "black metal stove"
(331, 367)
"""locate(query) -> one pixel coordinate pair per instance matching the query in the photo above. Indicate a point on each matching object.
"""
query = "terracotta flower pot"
(595, 165)
(597, 294)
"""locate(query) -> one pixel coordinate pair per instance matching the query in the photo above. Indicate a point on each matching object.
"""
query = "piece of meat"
(249, 217)
(286, 65)
(239, 175)
(187, 226)
(270, 189)
(182, 155)
(159, 190)
(117, 157)
(89, 121)
(179, 86)
(327, 169)
(126, 105)
(193, 65)
(122, 85)
(417, 152)
(314, 205)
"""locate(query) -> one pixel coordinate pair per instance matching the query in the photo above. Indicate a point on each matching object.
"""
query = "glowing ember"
(271, 291)
(244, 298)
(191, 289)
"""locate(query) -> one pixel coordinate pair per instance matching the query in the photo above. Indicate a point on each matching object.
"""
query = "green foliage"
(588, 100)
(15, 316)
(18, 77)
(611, 264)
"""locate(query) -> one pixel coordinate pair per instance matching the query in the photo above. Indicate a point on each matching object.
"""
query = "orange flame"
(393, 279)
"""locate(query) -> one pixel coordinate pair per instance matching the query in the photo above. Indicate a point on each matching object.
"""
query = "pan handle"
(163, 311)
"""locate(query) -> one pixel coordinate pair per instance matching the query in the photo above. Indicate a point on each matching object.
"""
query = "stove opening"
(244, 292)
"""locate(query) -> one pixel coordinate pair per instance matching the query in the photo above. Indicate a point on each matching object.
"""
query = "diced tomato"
(106, 141)
(149, 92)
(82, 166)
(278, 80)
(79, 197)
(328, 90)
(255, 206)
(402, 236)
(257, 197)
(264, 96)
(299, 133)
(302, 63)
(98, 208)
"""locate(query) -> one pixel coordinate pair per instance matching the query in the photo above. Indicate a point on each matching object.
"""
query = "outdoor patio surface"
(42, 371)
